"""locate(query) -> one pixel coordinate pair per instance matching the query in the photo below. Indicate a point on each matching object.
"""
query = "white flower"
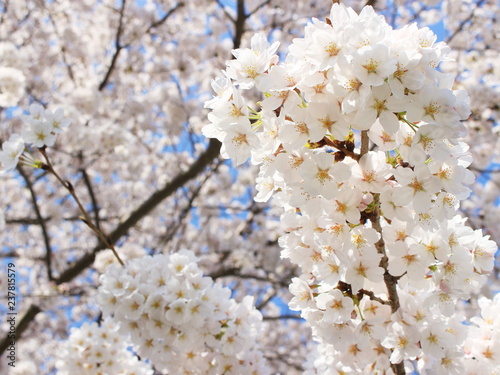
(380, 105)
(303, 297)
(57, 120)
(364, 267)
(133, 305)
(435, 340)
(403, 340)
(327, 116)
(321, 174)
(39, 134)
(433, 106)
(11, 151)
(419, 187)
(325, 48)
(336, 307)
(371, 172)
(483, 252)
(405, 260)
(238, 142)
(372, 64)
(251, 63)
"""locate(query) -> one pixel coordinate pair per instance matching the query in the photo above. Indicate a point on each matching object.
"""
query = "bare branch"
(41, 222)
(464, 22)
(282, 317)
(225, 11)
(260, 6)
(239, 24)
(118, 48)
(95, 206)
(165, 17)
(28, 316)
(86, 261)
(145, 208)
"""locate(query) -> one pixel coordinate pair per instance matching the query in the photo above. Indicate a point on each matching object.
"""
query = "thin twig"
(86, 218)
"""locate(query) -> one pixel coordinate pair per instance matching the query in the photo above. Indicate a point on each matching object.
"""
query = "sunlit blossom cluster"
(180, 320)
(357, 138)
(101, 349)
(41, 127)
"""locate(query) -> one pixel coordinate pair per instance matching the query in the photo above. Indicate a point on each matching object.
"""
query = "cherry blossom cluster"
(180, 320)
(101, 349)
(481, 346)
(41, 129)
(12, 79)
(357, 138)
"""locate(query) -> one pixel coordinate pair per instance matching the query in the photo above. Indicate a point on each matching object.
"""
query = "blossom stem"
(413, 126)
(86, 218)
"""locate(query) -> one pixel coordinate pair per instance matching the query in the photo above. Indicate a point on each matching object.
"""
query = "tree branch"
(165, 17)
(41, 221)
(239, 24)
(118, 47)
(365, 142)
(280, 317)
(28, 316)
(260, 6)
(464, 22)
(95, 206)
(145, 208)
(389, 280)
(86, 261)
(225, 11)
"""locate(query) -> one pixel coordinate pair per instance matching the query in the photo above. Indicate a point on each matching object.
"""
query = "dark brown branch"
(28, 316)
(172, 230)
(479, 170)
(341, 147)
(260, 6)
(389, 280)
(365, 142)
(373, 297)
(86, 261)
(196, 168)
(165, 17)
(266, 300)
(282, 317)
(4, 11)
(225, 11)
(236, 272)
(144, 209)
(464, 22)
(239, 24)
(26, 221)
(36, 221)
(118, 48)
(93, 199)
(41, 222)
